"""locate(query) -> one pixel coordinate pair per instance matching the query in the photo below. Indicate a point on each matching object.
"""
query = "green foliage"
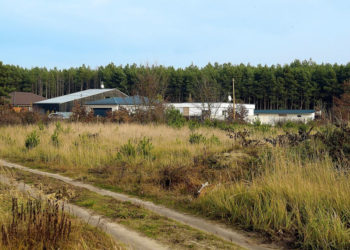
(59, 127)
(145, 147)
(258, 126)
(196, 138)
(54, 138)
(174, 118)
(214, 140)
(41, 125)
(301, 84)
(32, 140)
(128, 150)
(193, 125)
(142, 148)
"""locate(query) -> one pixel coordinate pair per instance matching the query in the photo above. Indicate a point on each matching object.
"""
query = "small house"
(24, 100)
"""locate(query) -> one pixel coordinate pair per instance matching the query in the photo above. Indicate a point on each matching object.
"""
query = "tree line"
(298, 85)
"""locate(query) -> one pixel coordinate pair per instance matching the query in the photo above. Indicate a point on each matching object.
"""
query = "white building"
(274, 116)
(217, 110)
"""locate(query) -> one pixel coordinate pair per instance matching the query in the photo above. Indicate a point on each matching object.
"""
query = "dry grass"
(305, 203)
(97, 152)
(284, 192)
(33, 224)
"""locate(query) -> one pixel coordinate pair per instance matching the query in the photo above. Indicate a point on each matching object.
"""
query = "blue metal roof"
(130, 100)
(74, 96)
(284, 111)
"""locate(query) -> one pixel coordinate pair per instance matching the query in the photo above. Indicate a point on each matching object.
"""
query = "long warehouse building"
(66, 103)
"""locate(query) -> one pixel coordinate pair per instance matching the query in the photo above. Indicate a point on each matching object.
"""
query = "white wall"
(275, 118)
(217, 109)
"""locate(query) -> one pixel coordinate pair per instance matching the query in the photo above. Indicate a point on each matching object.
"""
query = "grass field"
(288, 193)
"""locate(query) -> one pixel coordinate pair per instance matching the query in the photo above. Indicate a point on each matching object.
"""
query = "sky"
(69, 33)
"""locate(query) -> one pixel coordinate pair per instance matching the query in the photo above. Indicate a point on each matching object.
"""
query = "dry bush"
(9, 117)
(120, 116)
(36, 223)
(241, 114)
(341, 106)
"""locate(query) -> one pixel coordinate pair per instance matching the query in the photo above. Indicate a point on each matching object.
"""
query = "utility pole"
(233, 99)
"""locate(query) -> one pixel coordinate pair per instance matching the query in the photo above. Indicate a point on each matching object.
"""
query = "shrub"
(196, 138)
(54, 138)
(257, 123)
(193, 125)
(59, 127)
(145, 147)
(213, 140)
(174, 118)
(128, 150)
(32, 140)
(41, 125)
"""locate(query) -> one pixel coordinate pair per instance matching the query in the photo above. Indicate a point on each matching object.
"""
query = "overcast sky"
(67, 33)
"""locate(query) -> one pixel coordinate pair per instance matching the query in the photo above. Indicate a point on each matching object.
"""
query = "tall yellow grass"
(295, 198)
(171, 146)
(308, 201)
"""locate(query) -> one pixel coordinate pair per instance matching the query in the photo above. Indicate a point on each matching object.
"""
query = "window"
(299, 115)
(224, 113)
(282, 114)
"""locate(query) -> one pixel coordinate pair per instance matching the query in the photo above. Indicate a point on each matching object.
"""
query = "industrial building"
(275, 116)
(65, 103)
(218, 110)
(130, 103)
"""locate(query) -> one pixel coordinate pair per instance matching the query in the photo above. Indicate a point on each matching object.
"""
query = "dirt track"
(118, 232)
(195, 222)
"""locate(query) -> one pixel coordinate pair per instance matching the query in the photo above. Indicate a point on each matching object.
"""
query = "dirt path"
(195, 222)
(118, 232)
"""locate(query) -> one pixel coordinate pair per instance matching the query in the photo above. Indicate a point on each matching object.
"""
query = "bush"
(145, 147)
(193, 125)
(54, 138)
(196, 138)
(174, 118)
(32, 140)
(128, 150)
(213, 140)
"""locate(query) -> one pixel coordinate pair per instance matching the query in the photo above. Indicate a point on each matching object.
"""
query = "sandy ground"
(221, 231)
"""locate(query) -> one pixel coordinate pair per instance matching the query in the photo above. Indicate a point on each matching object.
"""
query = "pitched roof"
(24, 98)
(74, 96)
(130, 100)
(284, 111)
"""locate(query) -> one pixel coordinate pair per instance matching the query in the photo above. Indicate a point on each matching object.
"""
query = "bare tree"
(151, 87)
(208, 95)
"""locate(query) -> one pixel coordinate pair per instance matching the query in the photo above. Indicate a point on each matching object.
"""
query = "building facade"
(273, 117)
(66, 103)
